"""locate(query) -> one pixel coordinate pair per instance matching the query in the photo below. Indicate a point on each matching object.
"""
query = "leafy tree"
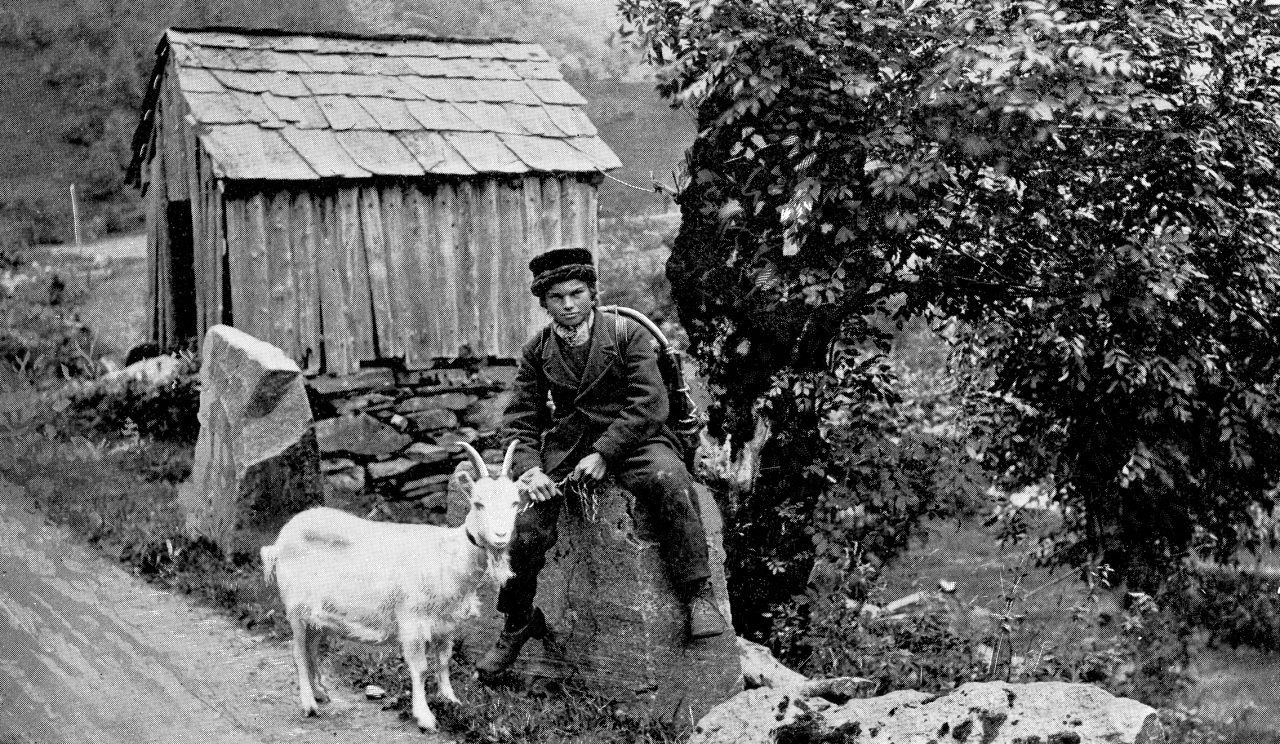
(1089, 185)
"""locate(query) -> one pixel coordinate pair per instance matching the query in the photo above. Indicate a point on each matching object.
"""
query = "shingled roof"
(289, 107)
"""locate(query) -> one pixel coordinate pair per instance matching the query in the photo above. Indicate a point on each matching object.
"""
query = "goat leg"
(415, 657)
(314, 637)
(301, 659)
(444, 651)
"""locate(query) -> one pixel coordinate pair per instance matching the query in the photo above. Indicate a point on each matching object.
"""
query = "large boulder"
(256, 460)
(974, 713)
(620, 629)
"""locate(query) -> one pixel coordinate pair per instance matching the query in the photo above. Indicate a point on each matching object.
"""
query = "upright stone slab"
(256, 460)
(606, 594)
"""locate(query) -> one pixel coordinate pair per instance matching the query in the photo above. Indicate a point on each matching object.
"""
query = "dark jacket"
(618, 404)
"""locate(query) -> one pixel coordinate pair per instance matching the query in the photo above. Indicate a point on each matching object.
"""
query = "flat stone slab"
(359, 434)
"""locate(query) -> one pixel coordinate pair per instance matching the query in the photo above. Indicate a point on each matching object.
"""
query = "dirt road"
(91, 654)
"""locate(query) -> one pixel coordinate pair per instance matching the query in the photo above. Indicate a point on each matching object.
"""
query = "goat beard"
(497, 566)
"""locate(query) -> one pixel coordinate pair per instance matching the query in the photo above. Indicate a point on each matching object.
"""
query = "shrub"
(166, 412)
(939, 643)
(1236, 607)
(40, 340)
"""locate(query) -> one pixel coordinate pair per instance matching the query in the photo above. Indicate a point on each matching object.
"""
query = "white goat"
(378, 581)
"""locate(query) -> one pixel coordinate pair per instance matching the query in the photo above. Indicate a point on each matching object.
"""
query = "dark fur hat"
(561, 265)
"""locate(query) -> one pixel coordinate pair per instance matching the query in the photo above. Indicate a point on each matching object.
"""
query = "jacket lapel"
(603, 352)
(555, 366)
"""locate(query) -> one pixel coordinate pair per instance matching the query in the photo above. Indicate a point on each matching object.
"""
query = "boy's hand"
(592, 466)
(537, 484)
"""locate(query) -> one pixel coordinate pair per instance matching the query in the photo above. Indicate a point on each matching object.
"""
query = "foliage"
(42, 341)
(894, 462)
(25, 221)
(1022, 634)
(1091, 187)
(1187, 725)
(166, 412)
(1235, 607)
(511, 713)
(631, 258)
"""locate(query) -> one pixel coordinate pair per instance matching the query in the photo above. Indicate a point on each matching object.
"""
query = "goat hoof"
(428, 724)
(322, 697)
(310, 711)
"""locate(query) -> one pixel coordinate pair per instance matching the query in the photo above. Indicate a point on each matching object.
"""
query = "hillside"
(74, 75)
(75, 71)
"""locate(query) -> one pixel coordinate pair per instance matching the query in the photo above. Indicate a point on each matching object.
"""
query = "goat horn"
(510, 457)
(482, 470)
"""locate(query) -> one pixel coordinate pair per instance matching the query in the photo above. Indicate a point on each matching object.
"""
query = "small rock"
(359, 434)
(449, 401)
(433, 418)
(375, 377)
(429, 484)
(351, 479)
(335, 465)
(423, 452)
(761, 669)
(450, 439)
(504, 375)
(399, 423)
(487, 413)
(373, 692)
(379, 471)
(365, 402)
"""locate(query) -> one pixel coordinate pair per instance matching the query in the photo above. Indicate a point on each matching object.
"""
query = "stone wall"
(389, 440)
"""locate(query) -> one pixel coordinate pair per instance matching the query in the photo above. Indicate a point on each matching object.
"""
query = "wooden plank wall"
(413, 270)
(181, 171)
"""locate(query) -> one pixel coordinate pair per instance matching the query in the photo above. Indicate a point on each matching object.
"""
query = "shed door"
(182, 279)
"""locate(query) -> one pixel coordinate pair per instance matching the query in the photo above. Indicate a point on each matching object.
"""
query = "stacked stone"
(396, 436)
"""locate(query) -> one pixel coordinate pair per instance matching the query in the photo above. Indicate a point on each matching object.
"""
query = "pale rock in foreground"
(256, 459)
(975, 713)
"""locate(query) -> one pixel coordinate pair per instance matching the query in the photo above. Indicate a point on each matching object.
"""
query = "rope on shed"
(658, 188)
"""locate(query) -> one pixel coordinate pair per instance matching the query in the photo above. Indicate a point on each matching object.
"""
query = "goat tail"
(269, 555)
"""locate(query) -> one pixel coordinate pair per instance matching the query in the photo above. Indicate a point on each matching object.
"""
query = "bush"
(1237, 608)
(41, 340)
(166, 412)
(939, 643)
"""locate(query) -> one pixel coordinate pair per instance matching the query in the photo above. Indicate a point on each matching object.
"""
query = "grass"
(116, 306)
(120, 494)
(1235, 693)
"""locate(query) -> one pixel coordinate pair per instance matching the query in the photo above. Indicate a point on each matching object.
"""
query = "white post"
(75, 216)
(75, 226)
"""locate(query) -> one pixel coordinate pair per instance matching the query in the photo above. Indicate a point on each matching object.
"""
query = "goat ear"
(463, 480)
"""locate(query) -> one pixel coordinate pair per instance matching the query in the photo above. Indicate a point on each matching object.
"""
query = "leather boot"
(705, 620)
(507, 648)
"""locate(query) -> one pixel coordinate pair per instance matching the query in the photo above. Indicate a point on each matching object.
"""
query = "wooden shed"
(359, 200)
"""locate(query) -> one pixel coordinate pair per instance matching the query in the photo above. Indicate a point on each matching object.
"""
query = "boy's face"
(569, 302)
